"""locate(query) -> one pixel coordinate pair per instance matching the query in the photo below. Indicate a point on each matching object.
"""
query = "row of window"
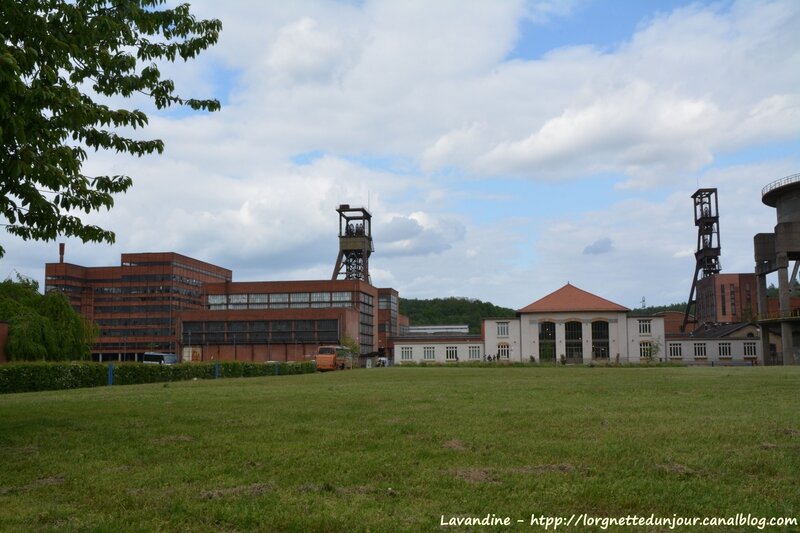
(700, 349)
(451, 353)
(258, 300)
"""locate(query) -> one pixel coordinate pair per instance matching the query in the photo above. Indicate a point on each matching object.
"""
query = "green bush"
(30, 377)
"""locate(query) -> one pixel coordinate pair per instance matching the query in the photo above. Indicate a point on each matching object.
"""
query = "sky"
(504, 148)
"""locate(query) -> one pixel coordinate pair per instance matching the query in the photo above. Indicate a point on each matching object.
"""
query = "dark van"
(156, 358)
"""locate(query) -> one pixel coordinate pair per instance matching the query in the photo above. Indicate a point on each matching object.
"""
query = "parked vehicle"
(157, 358)
(333, 358)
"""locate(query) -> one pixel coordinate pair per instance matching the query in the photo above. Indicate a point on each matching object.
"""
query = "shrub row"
(30, 377)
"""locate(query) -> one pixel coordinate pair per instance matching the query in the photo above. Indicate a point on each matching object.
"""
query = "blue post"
(110, 374)
(216, 370)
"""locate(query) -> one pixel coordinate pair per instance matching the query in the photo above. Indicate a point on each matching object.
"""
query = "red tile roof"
(570, 298)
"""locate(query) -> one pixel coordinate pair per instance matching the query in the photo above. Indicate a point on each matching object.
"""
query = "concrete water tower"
(774, 252)
(355, 244)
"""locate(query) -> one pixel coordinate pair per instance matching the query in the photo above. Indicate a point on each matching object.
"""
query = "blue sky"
(504, 148)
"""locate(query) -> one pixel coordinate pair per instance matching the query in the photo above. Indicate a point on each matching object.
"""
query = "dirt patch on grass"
(791, 432)
(455, 444)
(563, 468)
(678, 469)
(767, 446)
(255, 489)
(476, 475)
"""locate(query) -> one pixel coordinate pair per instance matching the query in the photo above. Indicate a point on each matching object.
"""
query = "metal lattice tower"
(706, 218)
(355, 243)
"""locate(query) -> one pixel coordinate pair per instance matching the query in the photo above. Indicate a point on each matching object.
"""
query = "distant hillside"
(651, 310)
(452, 311)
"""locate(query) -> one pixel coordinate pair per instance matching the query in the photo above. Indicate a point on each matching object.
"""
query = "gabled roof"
(572, 299)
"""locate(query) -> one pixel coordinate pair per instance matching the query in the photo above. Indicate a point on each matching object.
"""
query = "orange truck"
(333, 358)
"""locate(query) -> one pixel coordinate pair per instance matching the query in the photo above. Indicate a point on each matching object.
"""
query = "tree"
(42, 327)
(58, 59)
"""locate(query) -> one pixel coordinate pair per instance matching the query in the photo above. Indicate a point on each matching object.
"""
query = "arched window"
(573, 333)
(502, 350)
(547, 342)
(600, 348)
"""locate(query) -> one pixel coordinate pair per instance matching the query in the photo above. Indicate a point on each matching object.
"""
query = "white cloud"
(427, 84)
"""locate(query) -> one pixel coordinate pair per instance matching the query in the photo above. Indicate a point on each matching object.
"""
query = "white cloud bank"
(428, 86)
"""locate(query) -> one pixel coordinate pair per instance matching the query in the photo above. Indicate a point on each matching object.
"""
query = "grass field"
(398, 449)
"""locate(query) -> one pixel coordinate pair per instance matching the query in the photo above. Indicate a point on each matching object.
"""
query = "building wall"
(314, 296)
(532, 324)
(263, 334)
(701, 351)
(645, 337)
(438, 349)
(501, 334)
(135, 304)
(726, 298)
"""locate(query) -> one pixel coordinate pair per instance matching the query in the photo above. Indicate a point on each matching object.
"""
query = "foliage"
(42, 327)
(654, 309)
(30, 377)
(59, 61)
(452, 311)
(351, 344)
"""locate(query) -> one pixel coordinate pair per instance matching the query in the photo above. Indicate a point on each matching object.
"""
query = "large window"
(700, 349)
(547, 342)
(724, 349)
(600, 346)
(573, 333)
(645, 350)
(675, 350)
(749, 349)
(474, 352)
(502, 329)
(644, 327)
(502, 350)
(406, 353)
(451, 353)
(428, 353)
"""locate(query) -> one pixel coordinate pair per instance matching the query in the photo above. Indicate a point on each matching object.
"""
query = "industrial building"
(135, 305)
(172, 303)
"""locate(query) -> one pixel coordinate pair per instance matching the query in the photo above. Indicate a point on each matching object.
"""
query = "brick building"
(286, 320)
(136, 304)
(726, 299)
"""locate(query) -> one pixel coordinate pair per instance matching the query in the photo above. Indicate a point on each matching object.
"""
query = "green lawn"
(397, 449)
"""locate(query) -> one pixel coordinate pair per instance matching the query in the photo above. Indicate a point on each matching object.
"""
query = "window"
(451, 353)
(406, 353)
(699, 349)
(279, 301)
(675, 350)
(573, 332)
(502, 329)
(428, 353)
(644, 327)
(600, 346)
(502, 350)
(474, 352)
(547, 341)
(749, 349)
(722, 298)
(645, 350)
(724, 349)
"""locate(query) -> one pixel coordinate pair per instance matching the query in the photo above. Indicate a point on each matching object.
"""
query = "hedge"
(30, 377)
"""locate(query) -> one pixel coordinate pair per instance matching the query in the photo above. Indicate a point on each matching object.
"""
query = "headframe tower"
(355, 244)
(706, 218)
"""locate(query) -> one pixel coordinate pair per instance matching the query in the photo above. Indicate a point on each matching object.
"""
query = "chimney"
(61, 252)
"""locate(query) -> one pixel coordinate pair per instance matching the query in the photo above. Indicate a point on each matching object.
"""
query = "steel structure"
(706, 218)
(355, 244)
